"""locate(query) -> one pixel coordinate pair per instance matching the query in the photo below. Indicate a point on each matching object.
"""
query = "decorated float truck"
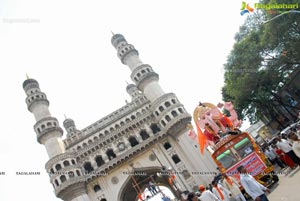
(230, 147)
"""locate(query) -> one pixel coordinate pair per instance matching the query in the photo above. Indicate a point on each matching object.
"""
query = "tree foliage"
(262, 57)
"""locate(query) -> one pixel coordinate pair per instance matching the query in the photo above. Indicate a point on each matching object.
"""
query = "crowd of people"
(284, 152)
(226, 188)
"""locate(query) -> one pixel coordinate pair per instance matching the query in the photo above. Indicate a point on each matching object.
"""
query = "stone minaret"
(47, 128)
(65, 173)
(142, 75)
(167, 109)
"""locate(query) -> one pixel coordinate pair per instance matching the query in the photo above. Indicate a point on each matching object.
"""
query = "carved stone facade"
(137, 141)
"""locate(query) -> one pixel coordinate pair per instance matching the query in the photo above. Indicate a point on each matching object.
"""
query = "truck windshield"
(243, 147)
(227, 159)
(238, 151)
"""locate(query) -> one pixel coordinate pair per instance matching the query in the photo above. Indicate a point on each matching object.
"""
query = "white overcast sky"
(65, 46)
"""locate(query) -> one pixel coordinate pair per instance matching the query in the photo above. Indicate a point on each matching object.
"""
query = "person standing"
(251, 186)
(287, 148)
(220, 192)
(284, 157)
(233, 186)
(271, 154)
(207, 195)
(192, 197)
(296, 143)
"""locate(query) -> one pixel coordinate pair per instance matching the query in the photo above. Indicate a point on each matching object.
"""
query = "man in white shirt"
(220, 191)
(233, 186)
(207, 195)
(251, 186)
(296, 143)
(271, 154)
(287, 148)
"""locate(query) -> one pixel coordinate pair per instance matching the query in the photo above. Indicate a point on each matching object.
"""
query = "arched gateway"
(147, 133)
(138, 181)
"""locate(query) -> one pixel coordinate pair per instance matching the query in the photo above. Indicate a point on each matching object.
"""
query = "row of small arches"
(48, 124)
(122, 123)
(34, 91)
(174, 114)
(63, 178)
(166, 104)
(58, 166)
(33, 97)
(111, 154)
(125, 49)
(154, 128)
(141, 73)
(115, 115)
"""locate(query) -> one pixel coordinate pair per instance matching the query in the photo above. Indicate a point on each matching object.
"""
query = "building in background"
(114, 158)
(285, 104)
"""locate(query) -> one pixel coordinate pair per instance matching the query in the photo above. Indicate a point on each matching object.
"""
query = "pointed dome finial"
(112, 33)
(65, 116)
(27, 77)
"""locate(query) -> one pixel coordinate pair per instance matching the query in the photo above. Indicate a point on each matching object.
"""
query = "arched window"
(122, 123)
(110, 154)
(163, 123)
(88, 167)
(63, 178)
(99, 160)
(73, 162)
(155, 129)
(97, 188)
(106, 132)
(66, 163)
(167, 145)
(78, 173)
(156, 113)
(132, 140)
(84, 145)
(90, 141)
(173, 101)
(56, 182)
(58, 167)
(71, 174)
(103, 199)
(127, 120)
(51, 170)
(144, 134)
(176, 159)
(168, 118)
(174, 113)
(167, 104)
(161, 108)
(180, 110)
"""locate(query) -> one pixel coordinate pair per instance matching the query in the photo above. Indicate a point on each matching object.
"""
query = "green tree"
(261, 60)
